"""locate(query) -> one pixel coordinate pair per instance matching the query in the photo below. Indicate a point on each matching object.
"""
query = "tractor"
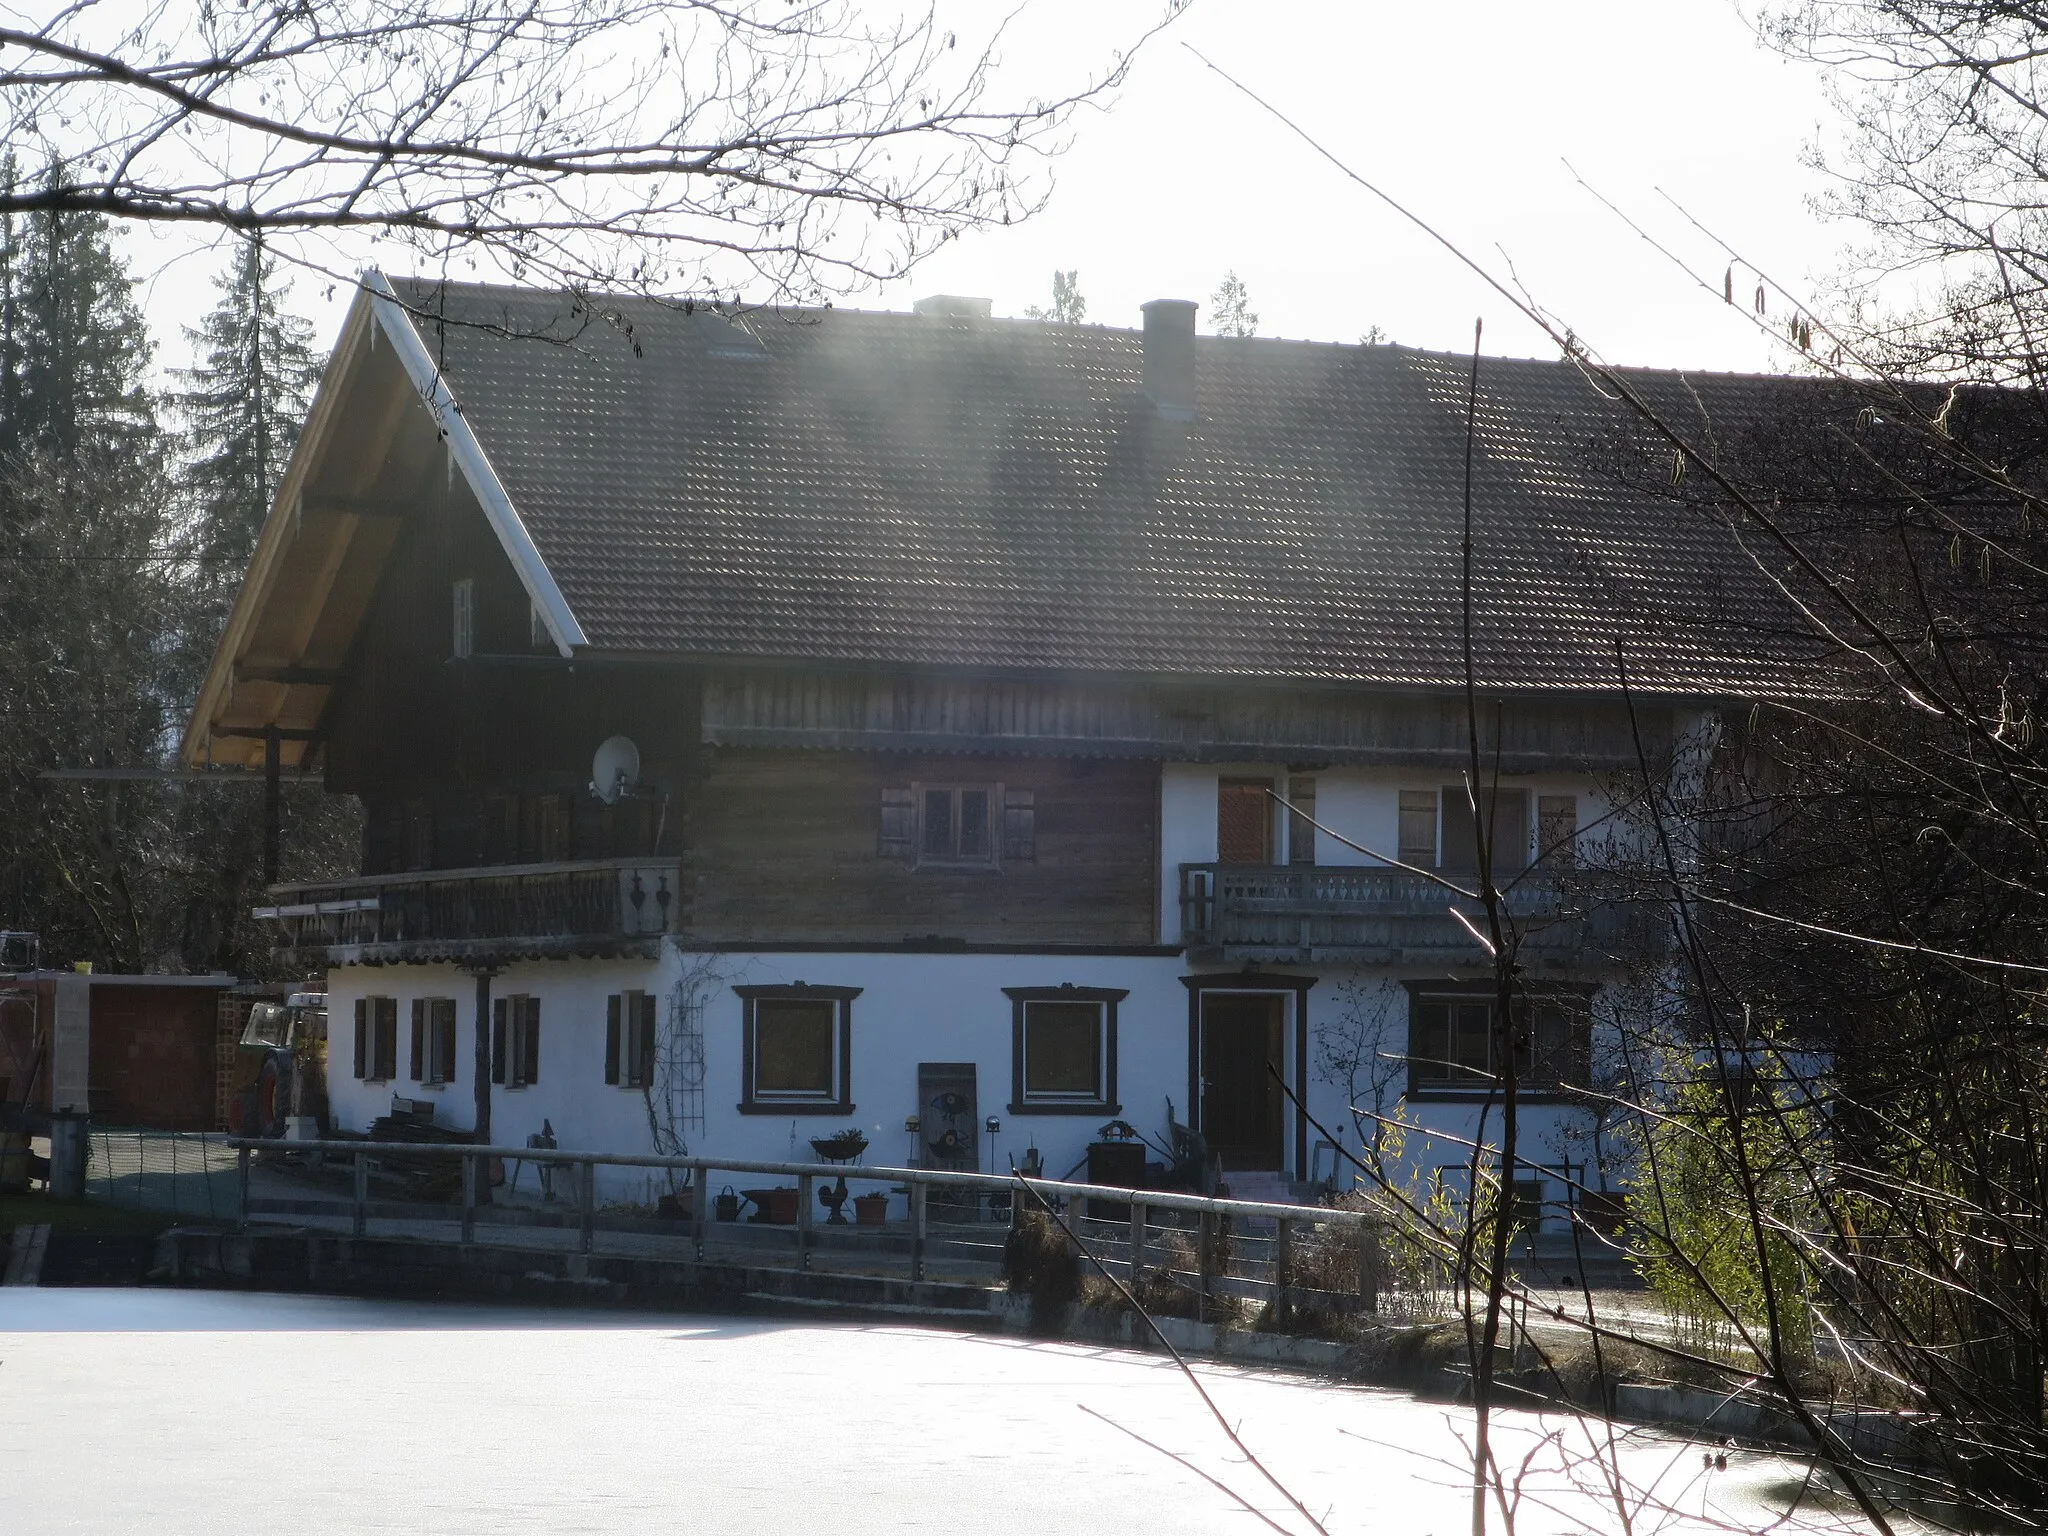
(281, 1069)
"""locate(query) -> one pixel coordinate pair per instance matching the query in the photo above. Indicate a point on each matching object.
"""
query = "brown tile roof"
(894, 489)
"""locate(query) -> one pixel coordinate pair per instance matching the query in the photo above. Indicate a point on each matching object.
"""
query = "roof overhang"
(382, 406)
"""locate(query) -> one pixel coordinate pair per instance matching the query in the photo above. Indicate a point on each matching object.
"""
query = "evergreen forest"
(130, 506)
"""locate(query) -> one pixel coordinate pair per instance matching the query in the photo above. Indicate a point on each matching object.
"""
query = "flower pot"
(1605, 1211)
(782, 1206)
(870, 1210)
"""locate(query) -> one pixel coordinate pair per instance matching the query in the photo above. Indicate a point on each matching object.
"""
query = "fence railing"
(580, 900)
(1211, 1254)
(1302, 911)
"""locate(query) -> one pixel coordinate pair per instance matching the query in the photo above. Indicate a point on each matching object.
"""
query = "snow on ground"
(207, 1412)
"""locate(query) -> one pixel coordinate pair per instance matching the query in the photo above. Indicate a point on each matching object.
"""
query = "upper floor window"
(958, 824)
(1063, 1055)
(1244, 821)
(1557, 830)
(433, 1040)
(796, 1049)
(376, 1039)
(515, 1040)
(1453, 1046)
(1418, 828)
(1301, 826)
(1503, 813)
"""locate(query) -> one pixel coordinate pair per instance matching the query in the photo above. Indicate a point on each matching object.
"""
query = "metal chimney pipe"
(1170, 357)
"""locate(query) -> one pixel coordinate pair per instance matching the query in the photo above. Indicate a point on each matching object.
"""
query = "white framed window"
(796, 1049)
(433, 1040)
(1454, 1049)
(629, 1039)
(1063, 1050)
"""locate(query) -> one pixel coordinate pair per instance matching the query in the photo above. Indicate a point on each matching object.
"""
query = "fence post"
(586, 1205)
(803, 1221)
(242, 1186)
(1138, 1215)
(362, 1193)
(700, 1205)
(468, 1197)
(1369, 1265)
(918, 1230)
(1283, 1272)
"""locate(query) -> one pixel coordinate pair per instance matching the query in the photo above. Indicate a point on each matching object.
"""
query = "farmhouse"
(975, 731)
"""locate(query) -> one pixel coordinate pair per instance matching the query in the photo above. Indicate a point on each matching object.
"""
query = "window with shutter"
(644, 1040)
(1301, 827)
(1557, 830)
(1418, 828)
(382, 1017)
(1505, 814)
(1020, 825)
(1244, 821)
(898, 838)
(499, 1031)
(1453, 1047)
(362, 1037)
(433, 1040)
(611, 1038)
(527, 1055)
(419, 1039)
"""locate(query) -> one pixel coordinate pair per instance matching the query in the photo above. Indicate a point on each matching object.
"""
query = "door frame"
(1265, 983)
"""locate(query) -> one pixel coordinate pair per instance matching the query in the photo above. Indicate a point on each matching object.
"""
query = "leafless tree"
(796, 147)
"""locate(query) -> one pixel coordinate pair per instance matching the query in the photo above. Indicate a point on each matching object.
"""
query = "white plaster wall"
(912, 1008)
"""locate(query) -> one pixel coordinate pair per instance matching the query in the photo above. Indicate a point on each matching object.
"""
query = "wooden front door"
(1244, 821)
(1242, 1053)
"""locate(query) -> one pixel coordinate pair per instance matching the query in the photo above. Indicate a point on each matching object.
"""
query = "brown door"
(1241, 1057)
(1244, 821)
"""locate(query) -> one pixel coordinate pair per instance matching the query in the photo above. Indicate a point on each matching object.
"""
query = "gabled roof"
(901, 489)
(892, 490)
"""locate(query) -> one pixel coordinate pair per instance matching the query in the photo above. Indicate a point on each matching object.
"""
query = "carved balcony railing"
(507, 911)
(1378, 915)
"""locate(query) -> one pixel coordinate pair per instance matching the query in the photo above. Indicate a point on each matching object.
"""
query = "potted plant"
(871, 1209)
(841, 1146)
(782, 1205)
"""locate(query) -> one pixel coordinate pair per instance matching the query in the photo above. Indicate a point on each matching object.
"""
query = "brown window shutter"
(1244, 821)
(1418, 828)
(611, 1038)
(1020, 825)
(419, 1039)
(529, 1066)
(898, 839)
(1301, 829)
(1557, 829)
(498, 1040)
(362, 1037)
(645, 1075)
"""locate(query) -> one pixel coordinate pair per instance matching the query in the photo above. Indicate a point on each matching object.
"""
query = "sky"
(1474, 113)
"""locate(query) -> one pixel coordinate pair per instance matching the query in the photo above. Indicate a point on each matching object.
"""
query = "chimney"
(1170, 357)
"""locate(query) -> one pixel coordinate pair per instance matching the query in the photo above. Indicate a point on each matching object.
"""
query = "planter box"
(870, 1210)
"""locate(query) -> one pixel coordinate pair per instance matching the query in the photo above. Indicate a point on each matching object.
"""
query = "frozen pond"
(168, 1412)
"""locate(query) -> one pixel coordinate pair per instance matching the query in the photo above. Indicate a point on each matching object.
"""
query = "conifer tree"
(242, 405)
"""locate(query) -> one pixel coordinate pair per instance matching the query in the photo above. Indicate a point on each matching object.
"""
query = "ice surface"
(174, 1412)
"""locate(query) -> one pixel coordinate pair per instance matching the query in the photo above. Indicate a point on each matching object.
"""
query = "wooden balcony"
(1371, 914)
(594, 907)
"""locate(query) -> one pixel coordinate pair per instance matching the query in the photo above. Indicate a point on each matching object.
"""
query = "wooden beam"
(323, 504)
(258, 732)
(311, 677)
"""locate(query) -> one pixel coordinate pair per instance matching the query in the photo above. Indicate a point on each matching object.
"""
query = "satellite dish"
(615, 769)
